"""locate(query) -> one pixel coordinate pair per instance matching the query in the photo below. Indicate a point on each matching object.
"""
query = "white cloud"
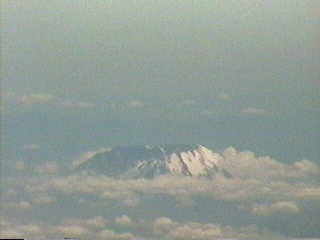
(36, 98)
(224, 97)
(42, 200)
(25, 205)
(136, 104)
(11, 234)
(261, 186)
(123, 220)
(20, 166)
(95, 222)
(31, 230)
(30, 147)
(166, 228)
(71, 231)
(254, 111)
(307, 166)
(111, 234)
(75, 104)
(279, 207)
(50, 100)
(205, 113)
(188, 102)
(48, 168)
(87, 156)
(247, 165)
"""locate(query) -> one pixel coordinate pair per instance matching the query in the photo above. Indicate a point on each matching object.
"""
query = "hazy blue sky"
(82, 75)
(220, 73)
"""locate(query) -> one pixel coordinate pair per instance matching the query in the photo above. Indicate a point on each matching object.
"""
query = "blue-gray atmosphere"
(160, 119)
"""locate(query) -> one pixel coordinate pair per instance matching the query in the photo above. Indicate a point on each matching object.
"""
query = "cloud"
(75, 104)
(224, 97)
(20, 166)
(30, 147)
(123, 220)
(205, 113)
(253, 111)
(279, 207)
(24, 205)
(260, 186)
(307, 166)
(188, 103)
(31, 230)
(167, 228)
(72, 231)
(48, 168)
(95, 222)
(50, 100)
(136, 104)
(111, 234)
(11, 234)
(247, 165)
(36, 98)
(42, 200)
(87, 156)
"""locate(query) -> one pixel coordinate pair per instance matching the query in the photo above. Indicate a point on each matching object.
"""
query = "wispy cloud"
(30, 147)
(123, 220)
(252, 110)
(261, 187)
(136, 104)
(48, 168)
(87, 156)
(48, 100)
(224, 97)
(283, 207)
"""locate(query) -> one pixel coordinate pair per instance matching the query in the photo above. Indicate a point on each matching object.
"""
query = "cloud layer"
(261, 191)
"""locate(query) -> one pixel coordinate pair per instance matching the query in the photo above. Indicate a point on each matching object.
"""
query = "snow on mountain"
(137, 161)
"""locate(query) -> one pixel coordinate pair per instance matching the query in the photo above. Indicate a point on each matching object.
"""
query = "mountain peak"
(137, 161)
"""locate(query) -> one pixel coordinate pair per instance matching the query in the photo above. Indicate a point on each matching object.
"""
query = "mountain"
(136, 161)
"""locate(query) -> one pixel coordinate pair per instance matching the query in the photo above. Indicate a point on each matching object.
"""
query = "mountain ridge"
(138, 161)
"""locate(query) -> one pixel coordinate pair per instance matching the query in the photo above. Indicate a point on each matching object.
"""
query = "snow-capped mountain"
(144, 162)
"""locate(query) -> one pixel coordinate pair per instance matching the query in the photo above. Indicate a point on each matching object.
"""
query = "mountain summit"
(136, 161)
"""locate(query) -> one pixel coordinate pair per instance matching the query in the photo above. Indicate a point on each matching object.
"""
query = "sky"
(81, 75)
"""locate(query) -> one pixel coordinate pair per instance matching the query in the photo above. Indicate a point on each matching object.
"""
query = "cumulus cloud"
(279, 207)
(167, 228)
(87, 156)
(67, 229)
(50, 100)
(253, 111)
(20, 166)
(123, 220)
(111, 234)
(247, 165)
(261, 186)
(224, 97)
(75, 104)
(11, 234)
(205, 113)
(42, 200)
(188, 102)
(72, 231)
(48, 168)
(30, 147)
(25, 205)
(136, 104)
(95, 222)
(307, 166)
(35, 98)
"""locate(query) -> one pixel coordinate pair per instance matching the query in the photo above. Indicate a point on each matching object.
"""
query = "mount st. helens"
(137, 161)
